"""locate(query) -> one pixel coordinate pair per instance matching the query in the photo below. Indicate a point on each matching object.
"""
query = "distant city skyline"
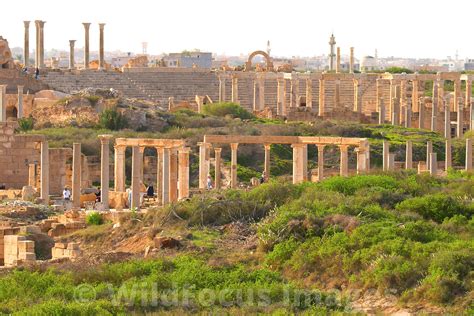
(417, 29)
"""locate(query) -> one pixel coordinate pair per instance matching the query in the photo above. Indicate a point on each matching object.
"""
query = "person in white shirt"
(66, 194)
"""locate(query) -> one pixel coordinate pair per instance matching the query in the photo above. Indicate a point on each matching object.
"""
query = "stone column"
(3, 103)
(434, 108)
(222, 89)
(321, 97)
(448, 155)
(233, 165)
(460, 116)
(468, 154)
(86, 45)
(414, 95)
(457, 94)
(281, 102)
(447, 120)
(32, 175)
(71, 54)
(261, 92)
(183, 172)
(235, 89)
(381, 111)
(337, 95)
(298, 163)
(351, 61)
(385, 155)
(409, 155)
(363, 158)
(294, 95)
(101, 46)
(136, 170)
(421, 113)
(41, 44)
(309, 93)
(173, 186)
(203, 164)
(37, 43)
(159, 174)
(166, 176)
(467, 97)
(408, 114)
(217, 179)
(391, 162)
(338, 60)
(357, 96)
(433, 164)
(471, 116)
(104, 170)
(256, 92)
(266, 166)
(26, 46)
(344, 167)
(20, 102)
(119, 168)
(320, 162)
(76, 174)
(429, 150)
(305, 162)
(45, 172)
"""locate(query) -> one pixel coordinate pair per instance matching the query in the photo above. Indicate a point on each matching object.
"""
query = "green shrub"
(93, 99)
(26, 124)
(112, 119)
(223, 109)
(94, 218)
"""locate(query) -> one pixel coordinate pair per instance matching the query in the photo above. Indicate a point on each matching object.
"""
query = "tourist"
(209, 182)
(66, 194)
(37, 73)
(263, 177)
(97, 195)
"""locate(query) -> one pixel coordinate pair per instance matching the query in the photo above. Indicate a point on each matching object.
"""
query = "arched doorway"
(12, 112)
(268, 60)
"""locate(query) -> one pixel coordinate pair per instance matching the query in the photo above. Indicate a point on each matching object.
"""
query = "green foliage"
(226, 109)
(398, 70)
(94, 218)
(26, 124)
(112, 119)
(93, 99)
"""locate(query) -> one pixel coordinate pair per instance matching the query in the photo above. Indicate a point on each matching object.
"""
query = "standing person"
(209, 182)
(66, 194)
(37, 73)
(262, 177)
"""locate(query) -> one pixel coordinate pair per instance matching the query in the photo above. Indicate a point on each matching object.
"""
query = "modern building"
(189, 60)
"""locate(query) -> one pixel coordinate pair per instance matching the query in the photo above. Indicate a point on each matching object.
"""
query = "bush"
(224, 109)
(94, 218)
(26, 124)
(113, 120)
(93, 99)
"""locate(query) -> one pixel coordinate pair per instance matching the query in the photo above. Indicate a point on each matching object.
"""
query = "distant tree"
(398, 70)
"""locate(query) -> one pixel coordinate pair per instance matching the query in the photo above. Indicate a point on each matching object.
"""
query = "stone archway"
(269, 62)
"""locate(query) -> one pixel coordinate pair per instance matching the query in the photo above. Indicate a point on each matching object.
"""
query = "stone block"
(60, 245)
(27, 256)
(26, 246)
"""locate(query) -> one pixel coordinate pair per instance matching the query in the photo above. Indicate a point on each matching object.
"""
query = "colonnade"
(300, 155)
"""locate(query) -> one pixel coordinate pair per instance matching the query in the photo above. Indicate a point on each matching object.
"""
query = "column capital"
(86, 25)
(184, 150)
(297, 145)
(204, 144)
(27, 24)
(343, 147)
(141, 149)
(20, 88)
(72, 42)
(120, 147)
(320, 147)
(101, 26)
(105, 138)
(234, 146)
(218, 150)
(267, 146)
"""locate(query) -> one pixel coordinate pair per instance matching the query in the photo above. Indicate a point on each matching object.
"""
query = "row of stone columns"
(39, 50)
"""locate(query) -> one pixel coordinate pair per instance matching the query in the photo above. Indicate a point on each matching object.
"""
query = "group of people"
(37, 72)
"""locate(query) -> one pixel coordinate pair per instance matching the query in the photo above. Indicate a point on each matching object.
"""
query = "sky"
(401, 28)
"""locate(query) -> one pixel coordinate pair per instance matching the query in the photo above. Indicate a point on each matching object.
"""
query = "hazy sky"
(405, 28)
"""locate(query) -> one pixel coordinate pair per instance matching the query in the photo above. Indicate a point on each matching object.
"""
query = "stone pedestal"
(76, 174)
(385, 155)
(433, 164)
(298, 163)
(203, 164)
(104, 170)
(86, 45)
(119, 168)
(45, 172)
(233, 165)
(409, 155)
(217, 180)
(20, 102)
(183, 172)
(344, 160)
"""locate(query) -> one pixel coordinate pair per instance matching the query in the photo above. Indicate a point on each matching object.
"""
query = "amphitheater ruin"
(30, 170)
